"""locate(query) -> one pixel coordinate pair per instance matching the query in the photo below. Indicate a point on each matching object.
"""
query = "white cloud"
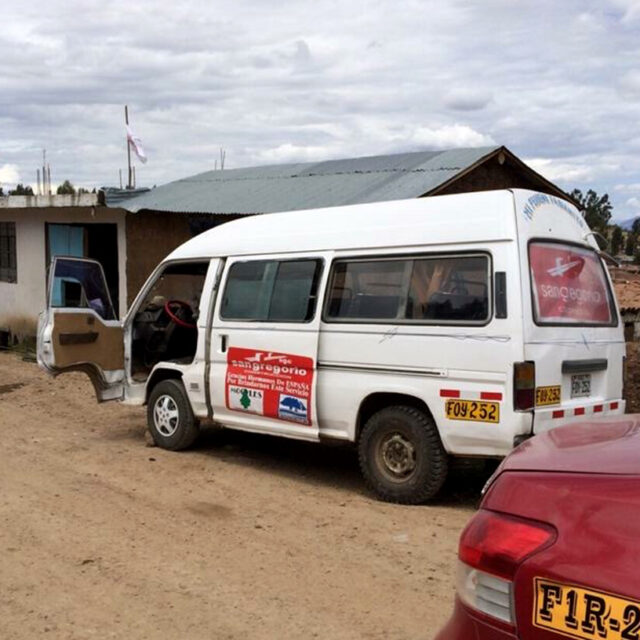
(9, 175)
(631, 187)
(560, 171)
(456, 135)
(630, 9)
(466, 99)
(294, 153)
(629, 85)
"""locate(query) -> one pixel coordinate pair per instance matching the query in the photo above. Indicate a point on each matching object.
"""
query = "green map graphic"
(245, 401)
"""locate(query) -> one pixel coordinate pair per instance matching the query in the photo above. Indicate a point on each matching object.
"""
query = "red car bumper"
(463, 625)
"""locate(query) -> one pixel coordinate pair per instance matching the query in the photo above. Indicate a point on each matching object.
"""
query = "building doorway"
(98, 241)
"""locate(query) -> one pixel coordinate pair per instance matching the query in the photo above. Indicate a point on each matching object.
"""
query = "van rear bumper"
(568, 413)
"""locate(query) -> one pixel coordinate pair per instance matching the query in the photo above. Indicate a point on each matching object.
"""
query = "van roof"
(461, 218)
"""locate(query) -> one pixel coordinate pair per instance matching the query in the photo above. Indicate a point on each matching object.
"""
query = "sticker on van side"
(275, 385)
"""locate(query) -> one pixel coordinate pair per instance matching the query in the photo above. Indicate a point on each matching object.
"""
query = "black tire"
(169, 416)
(401, 455)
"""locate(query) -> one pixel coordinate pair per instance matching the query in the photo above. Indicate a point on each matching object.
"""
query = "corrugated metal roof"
(114, 196)
(290, 187)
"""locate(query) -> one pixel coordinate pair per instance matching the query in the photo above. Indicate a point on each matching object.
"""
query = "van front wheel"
(169, 416)
(401, 455)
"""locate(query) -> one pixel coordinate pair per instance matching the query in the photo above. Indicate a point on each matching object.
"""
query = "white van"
(418, 329)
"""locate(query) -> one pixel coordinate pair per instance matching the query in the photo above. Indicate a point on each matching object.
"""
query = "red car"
(553, 551)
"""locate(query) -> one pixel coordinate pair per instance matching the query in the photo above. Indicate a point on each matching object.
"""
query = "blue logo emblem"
(292, 408)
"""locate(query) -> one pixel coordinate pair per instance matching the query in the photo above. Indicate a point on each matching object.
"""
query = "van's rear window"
(569, 285)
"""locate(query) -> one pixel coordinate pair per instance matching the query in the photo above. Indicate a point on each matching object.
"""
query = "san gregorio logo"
(269, 362)
(569, 268)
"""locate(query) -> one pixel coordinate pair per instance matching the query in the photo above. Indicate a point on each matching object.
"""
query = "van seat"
(455, 306)
(370, 306)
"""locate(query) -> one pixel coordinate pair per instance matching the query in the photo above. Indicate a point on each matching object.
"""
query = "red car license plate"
(579, 612)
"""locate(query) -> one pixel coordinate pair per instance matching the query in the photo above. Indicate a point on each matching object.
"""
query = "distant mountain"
(626, 224)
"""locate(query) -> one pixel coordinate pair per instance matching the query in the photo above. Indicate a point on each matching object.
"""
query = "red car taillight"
(524, 386)
(492, 547)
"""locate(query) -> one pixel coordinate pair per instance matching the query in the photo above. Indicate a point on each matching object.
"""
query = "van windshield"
(569, 286)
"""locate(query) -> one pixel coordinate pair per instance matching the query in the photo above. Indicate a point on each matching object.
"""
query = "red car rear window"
(569, 285)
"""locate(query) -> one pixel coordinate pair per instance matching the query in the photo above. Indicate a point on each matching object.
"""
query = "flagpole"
(126, 121)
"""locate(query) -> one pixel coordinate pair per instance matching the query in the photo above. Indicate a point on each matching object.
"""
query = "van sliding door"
(265, 345)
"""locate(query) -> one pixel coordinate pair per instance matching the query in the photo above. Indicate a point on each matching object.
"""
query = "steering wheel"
(175, 308)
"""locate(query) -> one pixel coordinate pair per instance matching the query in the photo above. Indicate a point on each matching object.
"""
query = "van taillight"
(492, 547)
(524, 386)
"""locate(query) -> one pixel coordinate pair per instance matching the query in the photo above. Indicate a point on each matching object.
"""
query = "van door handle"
(84, 337)
(584, 366)
(223, 343)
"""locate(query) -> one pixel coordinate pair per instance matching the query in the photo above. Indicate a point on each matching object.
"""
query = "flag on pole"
(136, 145)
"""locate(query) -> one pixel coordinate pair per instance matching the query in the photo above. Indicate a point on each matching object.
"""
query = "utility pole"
(126, 121)
(44, 171)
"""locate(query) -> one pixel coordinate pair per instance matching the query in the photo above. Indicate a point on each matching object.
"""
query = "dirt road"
(243, 537)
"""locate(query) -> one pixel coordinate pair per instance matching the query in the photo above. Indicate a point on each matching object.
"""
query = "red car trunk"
(585, 481)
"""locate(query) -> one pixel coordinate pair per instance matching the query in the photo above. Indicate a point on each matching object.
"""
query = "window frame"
(615, 316)
(51, 276)
(12, 253)
(406, 286)
(316, 284)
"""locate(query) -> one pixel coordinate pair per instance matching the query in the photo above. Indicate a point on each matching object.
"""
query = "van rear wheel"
(401, 455)
(169, 416)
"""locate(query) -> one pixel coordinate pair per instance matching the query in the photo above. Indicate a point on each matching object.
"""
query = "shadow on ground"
(334, 465)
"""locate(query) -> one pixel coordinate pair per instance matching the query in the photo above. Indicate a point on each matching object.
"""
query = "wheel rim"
(397, 457)
(166, 416)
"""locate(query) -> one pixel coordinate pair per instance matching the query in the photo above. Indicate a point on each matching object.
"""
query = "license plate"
(581, 385)
(547, 395)
(472, 410)
(585, 613)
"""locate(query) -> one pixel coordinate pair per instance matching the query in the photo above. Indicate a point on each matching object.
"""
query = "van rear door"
(79, 330)
(572, 330)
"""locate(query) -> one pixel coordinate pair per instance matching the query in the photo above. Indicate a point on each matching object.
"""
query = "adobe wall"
(151, 236)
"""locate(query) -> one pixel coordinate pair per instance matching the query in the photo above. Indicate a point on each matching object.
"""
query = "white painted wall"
(26, 297)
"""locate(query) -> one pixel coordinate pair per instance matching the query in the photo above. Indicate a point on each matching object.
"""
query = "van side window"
(449, 289)
(423, 289)
(271, 291)
(367, 289)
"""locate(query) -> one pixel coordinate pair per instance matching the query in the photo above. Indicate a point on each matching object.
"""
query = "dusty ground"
(242, 537)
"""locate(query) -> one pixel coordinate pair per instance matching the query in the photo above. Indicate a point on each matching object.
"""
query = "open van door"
(79, 330)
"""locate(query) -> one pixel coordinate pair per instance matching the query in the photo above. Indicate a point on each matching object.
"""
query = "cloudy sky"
(556, 81)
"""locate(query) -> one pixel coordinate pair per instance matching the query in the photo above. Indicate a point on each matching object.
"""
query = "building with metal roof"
(290, 187)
